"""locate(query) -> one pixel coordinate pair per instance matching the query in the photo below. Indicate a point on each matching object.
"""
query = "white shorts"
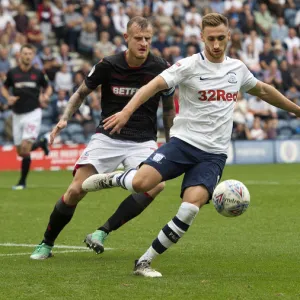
(106, 154)
(26, 126)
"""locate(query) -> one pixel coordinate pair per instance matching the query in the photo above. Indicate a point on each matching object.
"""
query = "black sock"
(131, 207)
(60, 217)
(25, 166)
(36, 145)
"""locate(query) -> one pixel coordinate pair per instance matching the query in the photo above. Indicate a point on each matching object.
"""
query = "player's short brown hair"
(28, 46)
(214, 20)
(143, 23)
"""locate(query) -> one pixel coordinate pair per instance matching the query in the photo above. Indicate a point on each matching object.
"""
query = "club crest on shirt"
(158, 157)
(232, 77)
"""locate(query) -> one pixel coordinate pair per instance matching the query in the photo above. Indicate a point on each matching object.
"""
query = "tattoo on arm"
(75, 101)
(168, 115)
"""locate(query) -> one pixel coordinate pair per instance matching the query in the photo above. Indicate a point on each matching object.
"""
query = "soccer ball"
(231, 198)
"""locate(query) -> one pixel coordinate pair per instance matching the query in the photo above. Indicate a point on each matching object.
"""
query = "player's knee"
(139, 184)
(74, 194)
(23, 152)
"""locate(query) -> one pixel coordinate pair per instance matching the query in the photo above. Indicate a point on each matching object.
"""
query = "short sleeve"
(178, 72)
(248, 79)
(8, 81)
(99, 74)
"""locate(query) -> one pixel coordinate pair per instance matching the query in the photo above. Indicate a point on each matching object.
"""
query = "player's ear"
(229, 35)
(125, 35)
(201, 36)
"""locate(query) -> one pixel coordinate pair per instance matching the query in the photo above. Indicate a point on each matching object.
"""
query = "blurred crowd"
(71, 35)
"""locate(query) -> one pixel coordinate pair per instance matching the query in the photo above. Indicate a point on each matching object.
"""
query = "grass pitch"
(254, 256)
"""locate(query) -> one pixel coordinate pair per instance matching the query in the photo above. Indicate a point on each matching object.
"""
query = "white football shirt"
(207, 95)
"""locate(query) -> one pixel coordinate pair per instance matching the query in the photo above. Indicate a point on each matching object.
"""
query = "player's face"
(26, 56)
(139, 41)
(215, 40)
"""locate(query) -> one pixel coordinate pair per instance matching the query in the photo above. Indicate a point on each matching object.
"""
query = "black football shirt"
(119, 83)
(27, 86)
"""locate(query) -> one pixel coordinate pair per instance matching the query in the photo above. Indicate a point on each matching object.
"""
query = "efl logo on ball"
(231, 198)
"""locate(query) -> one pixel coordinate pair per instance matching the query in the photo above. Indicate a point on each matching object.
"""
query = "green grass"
(254, 256)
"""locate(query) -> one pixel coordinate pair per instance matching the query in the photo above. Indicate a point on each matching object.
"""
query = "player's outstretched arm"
(72, 106)
(269, 94)
(118, 120)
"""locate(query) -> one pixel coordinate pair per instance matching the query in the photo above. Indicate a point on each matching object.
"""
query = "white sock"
(172, 232)
(125, 180)
(148, 255)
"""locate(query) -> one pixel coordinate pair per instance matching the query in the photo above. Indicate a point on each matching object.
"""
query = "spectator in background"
(63, 80)
(256, 132)
(178, 21)
(273, 75)
(64, 57)
(59, 104)
(104, 47)
(4, 62)
(87, 39)
(118, 42)
(21, 19)
(179, 42)
(292, 40)
(34, 34)
(190, 29)
(161, 43)
(236, 40)
(191, 50)
(87, 15)
(290, 12)
(232, 8)
(58, 20)
(50, 63)
(240, 132)
(193, 41)
(279, 31)
(162, 21)
(120, 20)
(255, 40)
(241, 114)
(287, 80)
(263, 19)
(5, 18)
(293, 57)
(193, 13)
(74, 22)
(45, 19)
(279, 54)
(266, 56)
(106, 25)
(217, 6)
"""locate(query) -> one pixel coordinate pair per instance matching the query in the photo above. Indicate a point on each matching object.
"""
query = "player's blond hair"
(214, 20)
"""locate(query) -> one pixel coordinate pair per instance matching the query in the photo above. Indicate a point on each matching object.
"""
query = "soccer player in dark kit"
(26, 83)
(120, 76)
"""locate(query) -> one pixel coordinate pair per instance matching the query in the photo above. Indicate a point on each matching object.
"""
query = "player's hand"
(116, 122)
(57, 129)
(12, 99)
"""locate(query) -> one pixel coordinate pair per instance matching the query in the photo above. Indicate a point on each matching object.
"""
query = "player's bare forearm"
(48, 91)
(168, 115)
(4, 92)
(269, 94)
(144, 94)
(75, 101)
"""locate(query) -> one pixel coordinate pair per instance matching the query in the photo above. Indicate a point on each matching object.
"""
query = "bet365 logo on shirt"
(217, 95)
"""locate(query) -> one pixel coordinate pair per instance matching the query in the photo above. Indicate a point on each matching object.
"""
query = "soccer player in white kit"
(208, 86)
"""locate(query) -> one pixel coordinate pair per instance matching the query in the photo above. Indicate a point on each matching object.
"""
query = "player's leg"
(26, 129)
(134, 204)
(63, 212)
(197, 187)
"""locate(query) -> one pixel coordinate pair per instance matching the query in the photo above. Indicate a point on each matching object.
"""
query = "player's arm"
(168, 114)
(269, 94)
(73, 104)
(118, 120)
(11, 100)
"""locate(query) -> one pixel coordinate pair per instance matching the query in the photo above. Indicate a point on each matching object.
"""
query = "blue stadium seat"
(65, 136)
(286, 132)
(283, 124)
(45, 128)
(295, 125)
